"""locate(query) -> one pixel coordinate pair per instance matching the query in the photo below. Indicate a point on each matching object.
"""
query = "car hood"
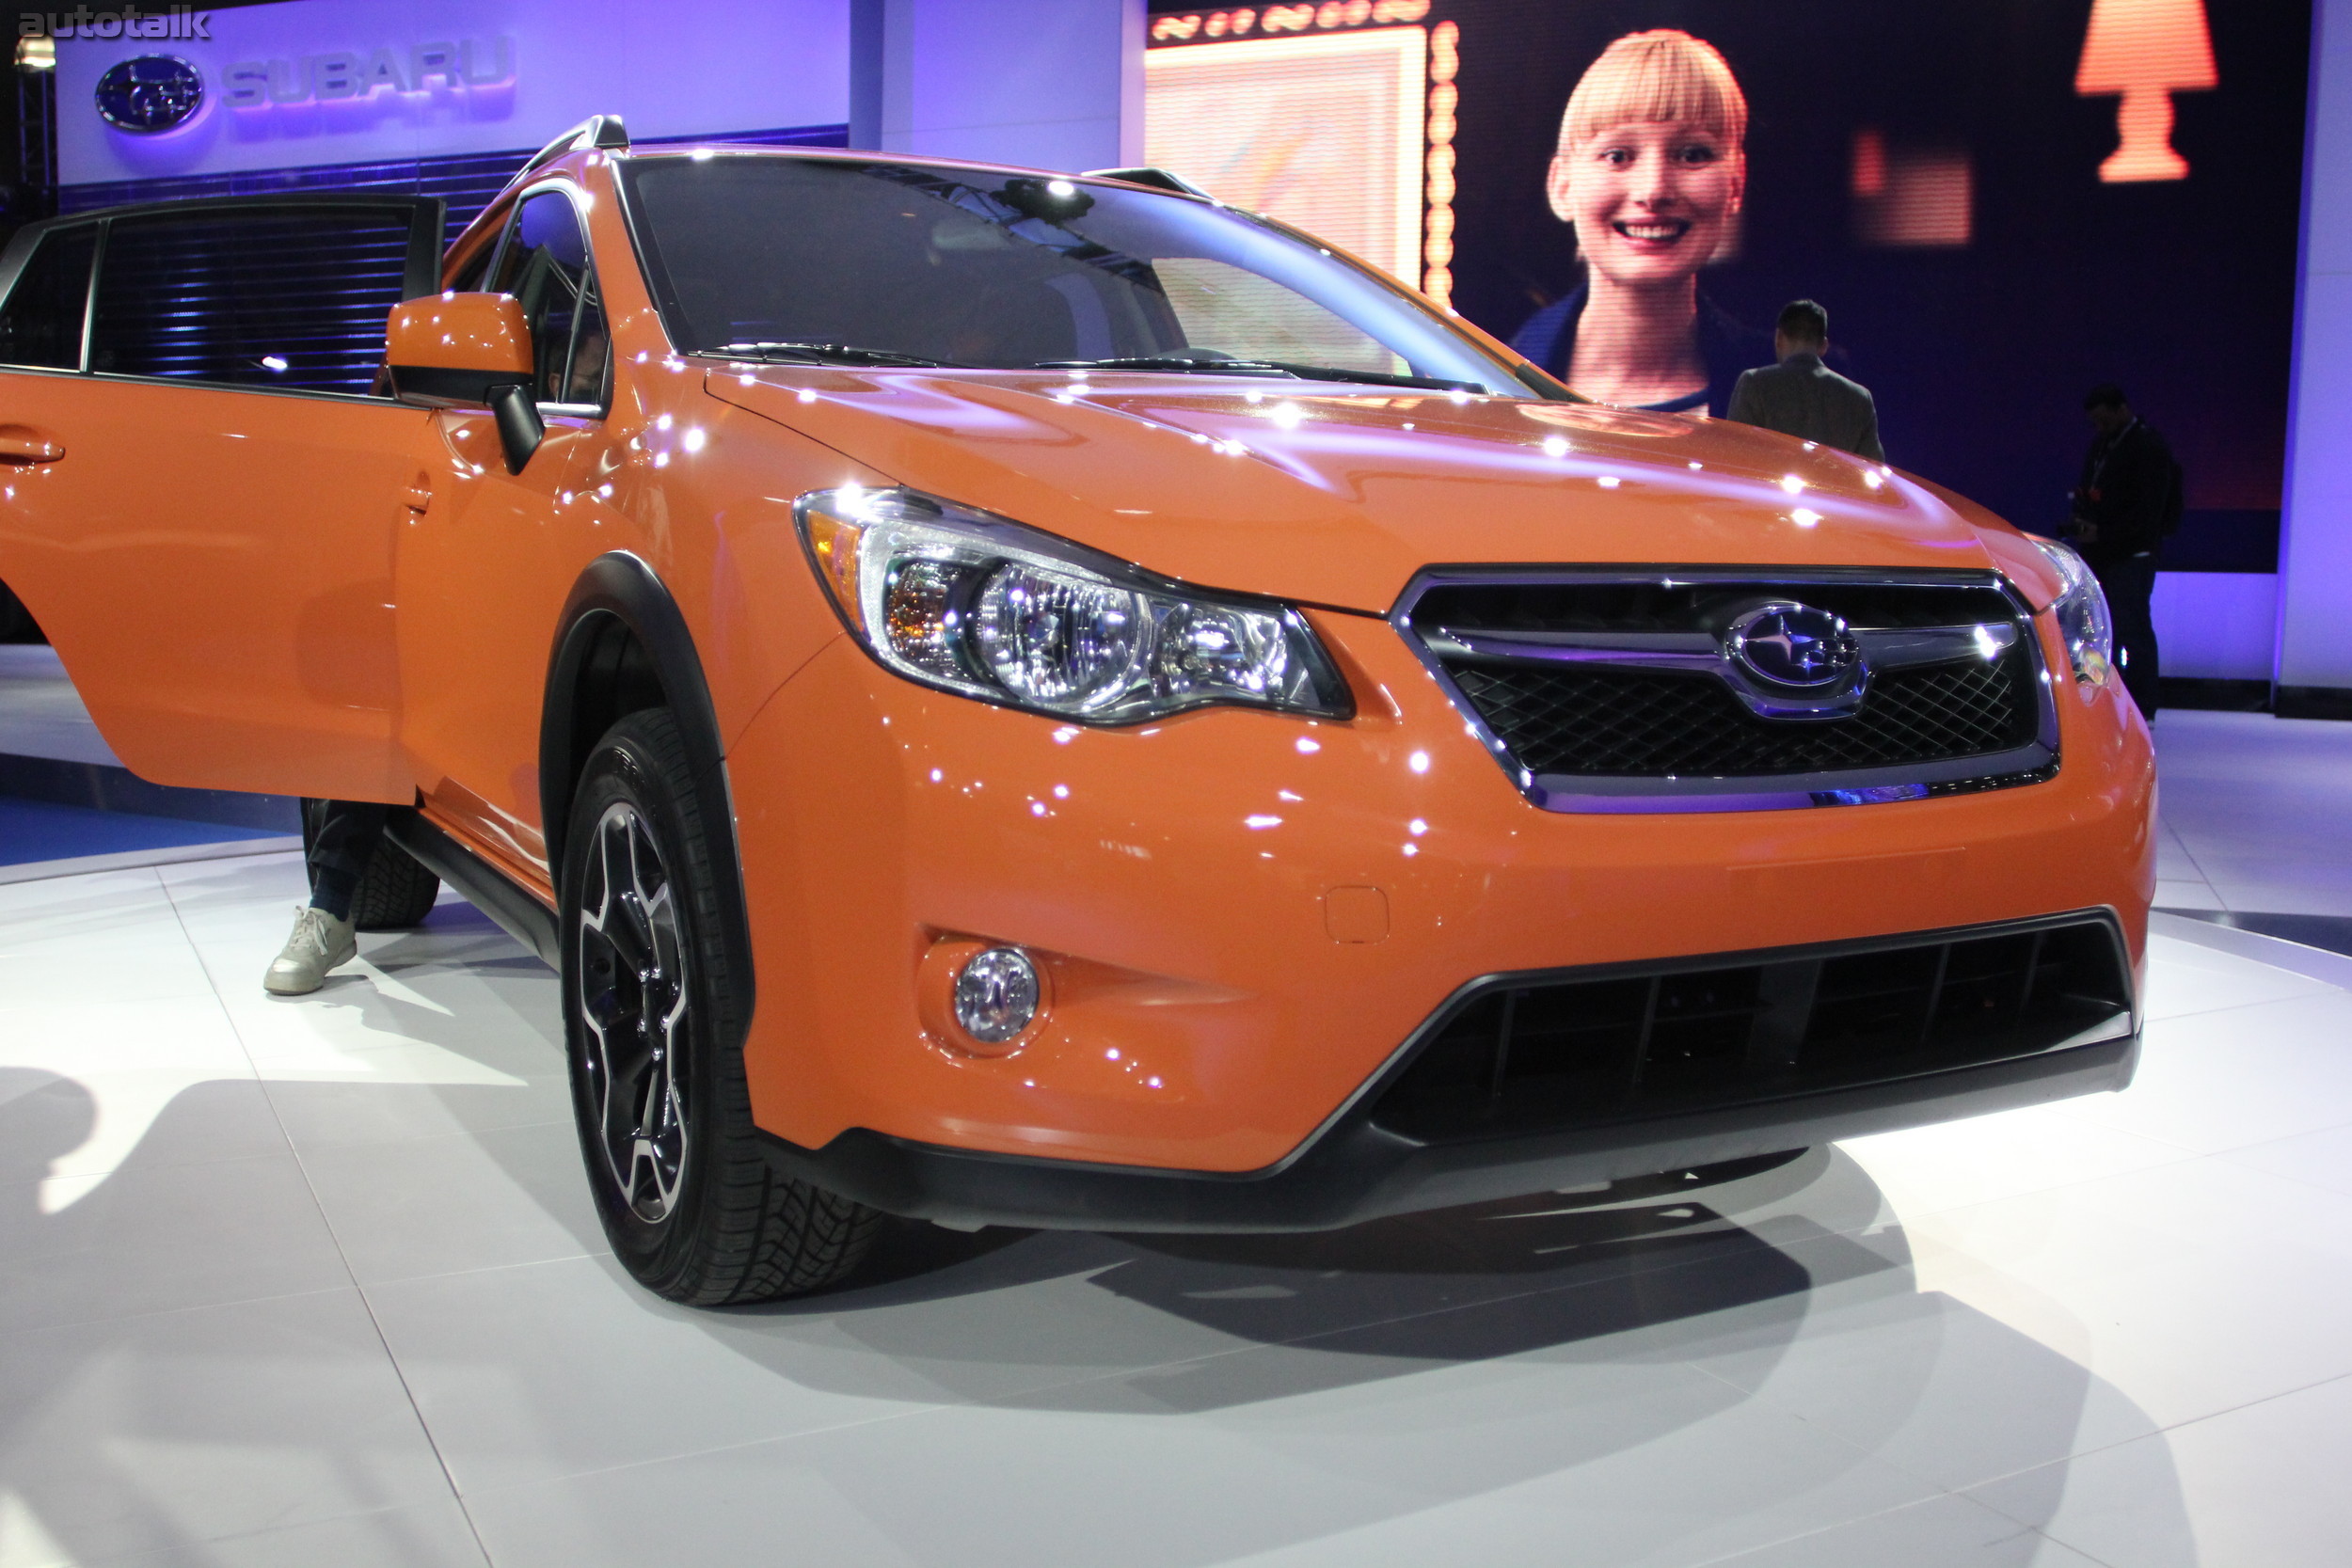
(1336, 497)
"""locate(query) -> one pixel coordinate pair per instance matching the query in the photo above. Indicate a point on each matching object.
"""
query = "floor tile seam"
(27, 1330)
(2165, 1430)
(2182, 839)
(476, 1134)
(228, 1013)
(204, 1164)
(508, 1488)
(2070, 1111)
(2184, 1156)
(2113, 1175)
(334, 1237)
(1483, 1303)
(234, 1537)
(2325, 989)
(2042, 1531)
(2344, 1126)
(1965, 1493)
(1944, 1494)
(388, 1282)
(2243, 1406)
(1939, 1488)
(988, 1401)
(329, 1145)
(424, 1428)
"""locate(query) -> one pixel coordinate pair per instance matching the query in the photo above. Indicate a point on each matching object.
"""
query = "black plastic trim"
(488, 888)
(1349, 1170)
(620, 594)
(1359, 1172)
(439, 386)
(520, 429)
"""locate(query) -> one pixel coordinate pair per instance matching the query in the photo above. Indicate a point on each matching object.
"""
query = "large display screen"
(2001, 203)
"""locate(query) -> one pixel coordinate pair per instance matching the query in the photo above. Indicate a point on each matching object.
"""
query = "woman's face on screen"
(1651, 201)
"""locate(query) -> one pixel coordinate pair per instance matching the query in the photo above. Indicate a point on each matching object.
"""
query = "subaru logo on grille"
(1792, 644)
(150, 93)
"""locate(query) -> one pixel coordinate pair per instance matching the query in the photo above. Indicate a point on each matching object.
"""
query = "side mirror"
(467, 351)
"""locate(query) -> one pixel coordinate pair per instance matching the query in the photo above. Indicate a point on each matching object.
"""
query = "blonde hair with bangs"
(1665, 76)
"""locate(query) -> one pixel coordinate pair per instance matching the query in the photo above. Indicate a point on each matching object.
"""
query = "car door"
(488, 556)
(199, 486)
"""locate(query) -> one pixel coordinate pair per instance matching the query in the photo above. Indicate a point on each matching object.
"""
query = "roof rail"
(1159, 179)
(602, 132)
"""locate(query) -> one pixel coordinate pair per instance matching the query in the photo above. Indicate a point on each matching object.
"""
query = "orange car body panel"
(214, 568)
(360, 602)
(1205, 1017)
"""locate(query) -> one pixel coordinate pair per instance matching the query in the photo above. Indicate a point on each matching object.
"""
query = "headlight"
(975, 605)
(2082, 615)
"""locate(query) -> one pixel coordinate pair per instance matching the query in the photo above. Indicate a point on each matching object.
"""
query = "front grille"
(1601, 688)
(1648, 723)
(1585, 1049)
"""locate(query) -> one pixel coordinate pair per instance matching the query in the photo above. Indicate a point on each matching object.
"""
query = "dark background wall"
(2183, 290)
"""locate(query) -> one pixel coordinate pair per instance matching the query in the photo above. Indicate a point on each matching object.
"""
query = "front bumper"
(1247, 917)
(1358, 1171)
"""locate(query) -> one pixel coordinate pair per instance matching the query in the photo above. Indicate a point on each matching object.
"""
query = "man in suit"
(1804, 398)
(2129, 499)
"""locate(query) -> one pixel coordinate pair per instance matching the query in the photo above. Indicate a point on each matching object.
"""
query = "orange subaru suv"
(1049, 701)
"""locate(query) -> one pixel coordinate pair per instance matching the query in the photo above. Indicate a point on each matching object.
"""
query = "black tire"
(395, 892)
(693, 1205)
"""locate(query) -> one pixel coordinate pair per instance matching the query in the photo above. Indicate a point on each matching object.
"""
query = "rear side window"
(41, 324)
(266, 298)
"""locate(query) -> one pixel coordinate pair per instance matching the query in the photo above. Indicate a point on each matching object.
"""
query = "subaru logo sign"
(1792, 644)
(150, 93)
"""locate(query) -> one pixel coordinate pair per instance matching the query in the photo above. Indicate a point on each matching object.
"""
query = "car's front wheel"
(653, 1019)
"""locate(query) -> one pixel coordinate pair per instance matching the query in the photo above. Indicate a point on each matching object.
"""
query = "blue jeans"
(348, 833)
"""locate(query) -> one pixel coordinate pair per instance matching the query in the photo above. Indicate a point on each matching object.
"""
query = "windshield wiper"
(1262, 367)
(819, 354)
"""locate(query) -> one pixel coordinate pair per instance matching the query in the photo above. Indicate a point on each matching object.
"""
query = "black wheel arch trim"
(619, 593)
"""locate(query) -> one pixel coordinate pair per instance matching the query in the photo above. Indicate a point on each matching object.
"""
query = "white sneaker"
(320, 941)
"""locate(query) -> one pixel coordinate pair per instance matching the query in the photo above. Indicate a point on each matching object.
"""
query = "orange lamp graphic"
(2146, 50)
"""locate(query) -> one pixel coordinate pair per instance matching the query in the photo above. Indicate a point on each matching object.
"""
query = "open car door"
(200, 480)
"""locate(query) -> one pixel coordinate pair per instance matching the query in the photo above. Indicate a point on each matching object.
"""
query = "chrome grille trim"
(1698, 652)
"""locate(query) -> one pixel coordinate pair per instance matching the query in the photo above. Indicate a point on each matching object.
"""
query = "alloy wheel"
(633, 999)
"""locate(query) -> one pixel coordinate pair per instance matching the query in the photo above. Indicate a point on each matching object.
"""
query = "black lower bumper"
(1361, 1171)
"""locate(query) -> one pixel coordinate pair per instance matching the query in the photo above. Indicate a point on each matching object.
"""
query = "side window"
(273, 298)
(41, 324)
(545, 267)
(475, 274)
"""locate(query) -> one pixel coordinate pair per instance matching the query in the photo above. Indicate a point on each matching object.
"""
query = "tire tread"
(759, 1233)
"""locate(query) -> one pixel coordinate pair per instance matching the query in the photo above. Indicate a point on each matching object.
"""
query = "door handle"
(420, 494)
(21, 443)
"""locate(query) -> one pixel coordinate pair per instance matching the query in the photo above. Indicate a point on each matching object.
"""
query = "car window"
(41, 324)
(1218, 305)
(545, 267)
(975, 268)
(475, 274)
(266, 297)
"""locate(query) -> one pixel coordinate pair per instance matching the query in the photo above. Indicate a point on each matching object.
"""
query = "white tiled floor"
(41, 713)
(2254, 812)
(316, 1283)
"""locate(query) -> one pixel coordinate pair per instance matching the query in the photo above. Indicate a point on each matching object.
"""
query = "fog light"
(996, 995)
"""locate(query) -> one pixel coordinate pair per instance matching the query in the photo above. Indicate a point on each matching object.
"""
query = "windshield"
(870, 261)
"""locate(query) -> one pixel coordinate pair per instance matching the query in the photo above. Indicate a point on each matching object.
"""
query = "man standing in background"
(1804, 398)
(2129, 499)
